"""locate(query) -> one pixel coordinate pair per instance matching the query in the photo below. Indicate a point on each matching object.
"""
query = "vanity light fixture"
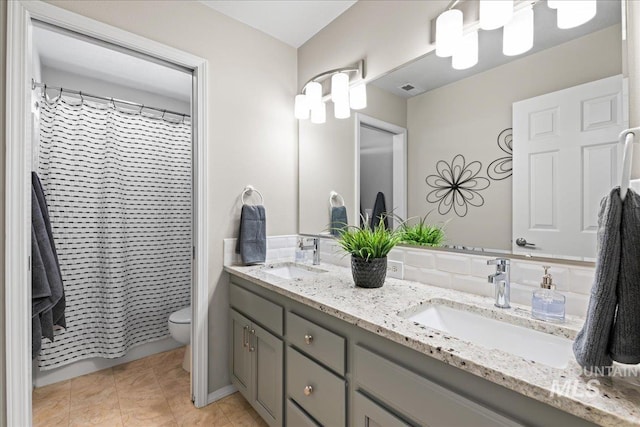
(573, 13)
(518, 33)
(495, 13)
(344, 94)
(453, 38)
(466, 54)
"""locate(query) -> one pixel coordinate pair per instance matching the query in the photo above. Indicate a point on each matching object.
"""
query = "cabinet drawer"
(257, 308)
(317, 342)
(325, 393)
(418, 398)
(296, 417)
(368, 414)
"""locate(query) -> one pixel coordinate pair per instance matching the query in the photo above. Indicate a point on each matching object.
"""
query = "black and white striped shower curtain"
(118, 186)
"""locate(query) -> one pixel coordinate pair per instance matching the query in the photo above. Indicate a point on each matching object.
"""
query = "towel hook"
(335, 196)
(626, 136)
(248, 190)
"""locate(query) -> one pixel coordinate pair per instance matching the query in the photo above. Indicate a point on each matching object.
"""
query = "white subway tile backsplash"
(530, 274)
(472, 285)
(463, 272)
(521, 294)
(459, 264)
(479, 267)
(577, 304)
(420, 259)
(581, 280)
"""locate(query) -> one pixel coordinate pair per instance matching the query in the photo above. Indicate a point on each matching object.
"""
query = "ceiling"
(290, 21)
(431, 72)
(79, 55)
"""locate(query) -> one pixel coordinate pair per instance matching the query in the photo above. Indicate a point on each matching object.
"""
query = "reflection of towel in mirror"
(379, 212)
(252, 237)
(591, 346)
(47, 299)
(338, 219)
(625, 340)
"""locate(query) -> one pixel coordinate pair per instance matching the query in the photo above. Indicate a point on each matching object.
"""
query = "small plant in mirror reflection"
(366, 242)
(421, 233)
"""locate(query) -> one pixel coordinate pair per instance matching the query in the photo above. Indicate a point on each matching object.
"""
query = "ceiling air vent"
(410, 89)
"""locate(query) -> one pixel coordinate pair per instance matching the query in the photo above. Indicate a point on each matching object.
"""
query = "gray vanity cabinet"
(256, 354)
(338, 374)
(366, 413)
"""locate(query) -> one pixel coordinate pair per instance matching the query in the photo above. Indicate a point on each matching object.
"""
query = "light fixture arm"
(358, 69)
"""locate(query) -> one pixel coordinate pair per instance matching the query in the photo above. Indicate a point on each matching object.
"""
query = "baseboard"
(221, 392)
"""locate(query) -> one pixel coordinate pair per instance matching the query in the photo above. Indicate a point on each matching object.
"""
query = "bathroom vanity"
(311, 349)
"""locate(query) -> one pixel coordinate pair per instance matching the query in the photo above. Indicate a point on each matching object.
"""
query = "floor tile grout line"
(115, 384)
(164, 395)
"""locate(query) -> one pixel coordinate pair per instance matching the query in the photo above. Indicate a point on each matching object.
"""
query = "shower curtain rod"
(82, 94)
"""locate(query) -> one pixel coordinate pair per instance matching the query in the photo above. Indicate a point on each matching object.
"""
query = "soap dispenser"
(548, 304)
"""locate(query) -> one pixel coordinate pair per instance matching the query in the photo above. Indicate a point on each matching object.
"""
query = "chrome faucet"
(501, 281)
(315, 246)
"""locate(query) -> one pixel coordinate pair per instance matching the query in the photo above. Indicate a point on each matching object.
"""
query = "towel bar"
(248, 190)
(627, 137)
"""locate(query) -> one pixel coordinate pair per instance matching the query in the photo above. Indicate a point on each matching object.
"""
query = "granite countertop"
(381, 311)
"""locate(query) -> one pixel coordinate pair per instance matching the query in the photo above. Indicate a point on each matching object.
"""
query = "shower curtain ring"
(141, 108)
(163, 113)
(81, 97)
(183, 119)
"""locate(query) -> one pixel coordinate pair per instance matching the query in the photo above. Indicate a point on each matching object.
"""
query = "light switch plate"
(395, 269)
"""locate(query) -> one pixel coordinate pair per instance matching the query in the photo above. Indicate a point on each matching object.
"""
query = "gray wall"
(3, 66)
(465, 117)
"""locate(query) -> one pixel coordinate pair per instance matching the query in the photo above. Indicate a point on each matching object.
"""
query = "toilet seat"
(181, 317)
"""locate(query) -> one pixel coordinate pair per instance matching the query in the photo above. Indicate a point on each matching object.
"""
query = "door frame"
(18, 201)
(399, 164)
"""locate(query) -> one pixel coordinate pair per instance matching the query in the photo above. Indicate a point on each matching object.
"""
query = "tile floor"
(149, 392)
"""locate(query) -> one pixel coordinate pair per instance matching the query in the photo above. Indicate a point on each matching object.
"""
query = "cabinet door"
(240, 359)
(267, 353)
(368, 414)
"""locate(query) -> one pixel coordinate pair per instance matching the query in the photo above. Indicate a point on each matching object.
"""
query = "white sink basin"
(549, 350)
(292, 271)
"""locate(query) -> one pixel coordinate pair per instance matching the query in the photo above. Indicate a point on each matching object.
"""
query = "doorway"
(21, 16)
(381, 157)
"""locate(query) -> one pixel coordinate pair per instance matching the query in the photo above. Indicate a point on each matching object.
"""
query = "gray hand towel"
(48, 301)
(625, 342)
(252, 237)
(339, 220)
(591, 346)
(379, 212)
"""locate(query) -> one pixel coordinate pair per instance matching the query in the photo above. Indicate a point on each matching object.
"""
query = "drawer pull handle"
(308, 390)
(245, 340)
(251, 347)
(308, 339)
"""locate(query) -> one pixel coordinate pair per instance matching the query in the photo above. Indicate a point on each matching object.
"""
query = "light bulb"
(314, 94)
(466, 55)
(495, 13)
(358, 96)
(517, 37)
(573, 13)
(340, 87)
(448, 32)
(341, 110)
(319, 113)
(301, 108)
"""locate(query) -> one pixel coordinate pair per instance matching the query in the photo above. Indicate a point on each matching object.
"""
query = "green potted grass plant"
(368, 248)
(421, 233)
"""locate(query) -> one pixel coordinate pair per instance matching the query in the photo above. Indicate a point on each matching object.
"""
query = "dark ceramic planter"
(368, 274)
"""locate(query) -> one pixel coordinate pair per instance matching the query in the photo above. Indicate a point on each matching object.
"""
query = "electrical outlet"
(395, 269)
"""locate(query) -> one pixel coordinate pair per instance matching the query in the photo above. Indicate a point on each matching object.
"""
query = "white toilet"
(180, 329)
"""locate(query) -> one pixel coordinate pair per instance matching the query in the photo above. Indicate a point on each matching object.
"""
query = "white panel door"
(565, 159)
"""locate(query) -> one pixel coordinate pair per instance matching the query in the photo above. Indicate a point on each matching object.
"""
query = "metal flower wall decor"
(502, 168)
(456, 186)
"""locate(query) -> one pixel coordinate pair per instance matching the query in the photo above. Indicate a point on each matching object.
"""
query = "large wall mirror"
(512, 155)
